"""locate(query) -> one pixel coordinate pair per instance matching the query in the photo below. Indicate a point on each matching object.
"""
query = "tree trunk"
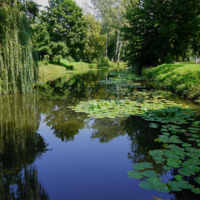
(176, 58)
(106, 44)
(124, 49)
(117, 34)
(183, 58)
(120, 47)
(117, 46)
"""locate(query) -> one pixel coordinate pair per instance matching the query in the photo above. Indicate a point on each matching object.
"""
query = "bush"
(168, 59)
(70, 59)
(104, 62)
(93, 66)
(95, 61)
(46, 59)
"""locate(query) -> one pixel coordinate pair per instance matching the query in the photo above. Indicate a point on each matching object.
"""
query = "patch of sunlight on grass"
(182, 78)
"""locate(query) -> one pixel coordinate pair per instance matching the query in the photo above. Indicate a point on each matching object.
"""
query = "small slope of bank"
(53, 70)
(181, 78)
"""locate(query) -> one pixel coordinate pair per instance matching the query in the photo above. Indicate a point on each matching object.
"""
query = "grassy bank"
(53, 71)
(182, 78)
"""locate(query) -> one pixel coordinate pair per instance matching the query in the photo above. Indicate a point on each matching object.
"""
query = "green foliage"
(180, 78)
(158, 29)
(168, 58)
(95, 61)
(61, 31)
(104, 62)
(18, 61)
(46, 59)
(95, 42)
(70, 59)
(93, 66)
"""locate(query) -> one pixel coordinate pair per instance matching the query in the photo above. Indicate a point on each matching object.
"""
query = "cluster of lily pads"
(154, 107)
(175, 154)
(121, 108)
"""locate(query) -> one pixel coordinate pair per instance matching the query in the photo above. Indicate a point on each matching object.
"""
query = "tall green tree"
(96, 42)
(66, 28)
(159, 30)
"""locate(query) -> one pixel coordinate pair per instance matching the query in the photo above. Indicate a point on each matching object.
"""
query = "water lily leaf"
(135, 174)
(176, 160)
(146, 185)
(190, 149)
(178, 177)
(156, 152)
(143, 165)
(166, 146)
(186, 172)
(191, 139)
(159, 158)
(154, 179)
(186, 145)
(184, 184)
(170, 154)
(162, 187)
(196, 190)
(165, 133)
(166, 167)
(173, 164)
(197, 179)
(150, 173)
(195, 136)
(174, 186)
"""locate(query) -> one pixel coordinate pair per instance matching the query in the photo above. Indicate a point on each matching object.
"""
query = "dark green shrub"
(168, 58)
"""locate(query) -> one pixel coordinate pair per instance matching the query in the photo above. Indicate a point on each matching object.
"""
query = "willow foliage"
(18, 61)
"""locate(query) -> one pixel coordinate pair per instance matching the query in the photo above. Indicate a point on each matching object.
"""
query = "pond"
(104, 134)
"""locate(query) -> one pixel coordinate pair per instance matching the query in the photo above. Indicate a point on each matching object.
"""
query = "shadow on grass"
(68, 67)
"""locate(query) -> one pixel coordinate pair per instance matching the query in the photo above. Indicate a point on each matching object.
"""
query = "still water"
(49, 151)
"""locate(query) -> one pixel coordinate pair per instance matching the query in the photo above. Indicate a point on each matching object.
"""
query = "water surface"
(49, 151)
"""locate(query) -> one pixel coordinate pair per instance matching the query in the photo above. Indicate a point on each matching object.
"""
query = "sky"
(79, 2)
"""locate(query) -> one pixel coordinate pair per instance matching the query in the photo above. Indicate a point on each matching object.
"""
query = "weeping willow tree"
(18, 60)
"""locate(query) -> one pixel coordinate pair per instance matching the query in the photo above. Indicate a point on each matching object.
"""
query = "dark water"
(51, 152)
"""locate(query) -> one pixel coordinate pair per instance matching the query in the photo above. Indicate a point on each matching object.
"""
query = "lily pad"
(178, 177)
(150, 173)
(166, 167)
(186, 145)
(135, 174)
(143, 166)
(146, 185)
(196, 190)
(186, 172)
(197, 179)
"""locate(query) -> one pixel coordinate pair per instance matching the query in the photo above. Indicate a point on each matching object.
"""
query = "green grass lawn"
(182, 78)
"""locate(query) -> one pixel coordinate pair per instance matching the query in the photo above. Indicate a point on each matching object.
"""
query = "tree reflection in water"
(107, 129)
(20, 146)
